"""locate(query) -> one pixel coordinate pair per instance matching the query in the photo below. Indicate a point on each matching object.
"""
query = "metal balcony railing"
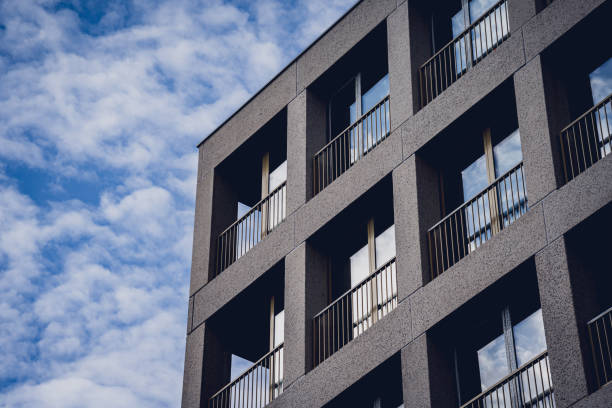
(600, 334)
(247, 231)
(256, 387)
(463, 52)
(350, 145)
(587, 139)
(529, 386)
(477, 220)
(354, 312)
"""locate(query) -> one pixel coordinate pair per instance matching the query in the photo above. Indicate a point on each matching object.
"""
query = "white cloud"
(93, 294)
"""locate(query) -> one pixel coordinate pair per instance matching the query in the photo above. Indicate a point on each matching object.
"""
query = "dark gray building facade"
(415, 212)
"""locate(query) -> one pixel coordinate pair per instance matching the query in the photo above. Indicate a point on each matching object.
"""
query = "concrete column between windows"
(202, 231)
(305, 295)
(207, 368)
(305, 136)
(416, 207)
(519, 12)
(541, 157)
(564, 334)
(427, 375)
(400, 87)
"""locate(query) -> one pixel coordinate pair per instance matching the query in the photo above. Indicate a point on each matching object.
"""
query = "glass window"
(360, 266)
(279, 328)
(474, 178)
(479, 7)
(507, 153)
(278, 176)
(375, 94)
(242, 210)
(385, 246)
(601, 82)
(529, 338)
(493, 362)
(239, 366)
(458, 23)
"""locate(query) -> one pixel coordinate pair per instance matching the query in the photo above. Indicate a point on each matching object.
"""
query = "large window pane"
(507, 153)
(479, 7)
(360, 266)
(474, 178)
(278, 176)
(385, 246)
(601, 82)
(529, 339)
(374, 95)
(279, 328)
(493, 362)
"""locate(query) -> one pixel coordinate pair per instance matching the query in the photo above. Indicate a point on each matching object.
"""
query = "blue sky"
(101, 107)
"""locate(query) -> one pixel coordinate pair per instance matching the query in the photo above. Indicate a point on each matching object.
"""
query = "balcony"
(354, 312)
(256, 387)
(252, 227)
(600, 336)
(352, 144)
(476, 221)
(587, 140)
(528, 386)
(465, 50)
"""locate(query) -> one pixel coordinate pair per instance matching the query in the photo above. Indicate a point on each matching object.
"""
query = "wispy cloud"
(101, 105)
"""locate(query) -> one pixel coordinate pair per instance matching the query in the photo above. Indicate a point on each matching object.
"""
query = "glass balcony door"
(601, 88)
(379, 250)
(502, 203)
(500, 347)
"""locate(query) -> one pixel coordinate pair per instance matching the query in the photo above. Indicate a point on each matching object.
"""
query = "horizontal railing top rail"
(587, 139)
(477, 220)
(466, 49)
(477, 195)
(599, 316)
(246, 372)
(604, 101)
(246, 232)
(354, 124)
(356, 287)
(350, 145)
(354, 312)
(254, 208)
(467, 30)
(546, 388)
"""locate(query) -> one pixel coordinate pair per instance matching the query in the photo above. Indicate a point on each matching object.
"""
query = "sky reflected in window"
(493, 362)
(239, 366)
(529, 338)
(458, 23)
(474, 178)
(279, 328)
(479, 7)
(385, 246)
(375, 94)
(360, 266)
(278, 176)
(601, 82)
(507, 153)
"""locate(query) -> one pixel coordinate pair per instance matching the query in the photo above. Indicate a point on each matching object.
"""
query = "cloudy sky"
(101, 106)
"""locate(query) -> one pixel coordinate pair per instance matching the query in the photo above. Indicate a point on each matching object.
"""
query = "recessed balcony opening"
(590, 273)
(583, 104)
(249, 333)
(359, 251)
(479, 162)
(462, 33)
(380, 388)
(250, 193)
(492, 351)
(355, 92)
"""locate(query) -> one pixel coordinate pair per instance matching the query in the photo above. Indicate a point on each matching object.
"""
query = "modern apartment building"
(415, 212)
